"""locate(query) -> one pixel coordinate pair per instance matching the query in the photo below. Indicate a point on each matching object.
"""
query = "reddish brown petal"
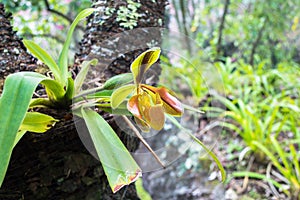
(171, 104)
(157, 117)
(133, 106)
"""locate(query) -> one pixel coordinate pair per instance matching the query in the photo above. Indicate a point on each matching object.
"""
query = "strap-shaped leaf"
(40, 103)
(117, 81)
(14, 102)
(70, 90)
(118, 164)
(19, 135)
(55, 91)
(120, 94)
(210, 153)
(85, 66)
(63, 57)
(44, 57)
(37, 122)
(143, 62)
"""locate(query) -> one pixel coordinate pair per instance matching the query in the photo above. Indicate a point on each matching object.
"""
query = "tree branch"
(219, 44)
(184, 23)
(29, 35)
(256, 43)
(60, 14)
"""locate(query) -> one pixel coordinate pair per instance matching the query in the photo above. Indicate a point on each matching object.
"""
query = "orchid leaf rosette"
(147, 104)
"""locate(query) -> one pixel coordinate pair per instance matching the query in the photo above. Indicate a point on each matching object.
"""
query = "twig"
(137, 133)
(268, 175)
(221, 27)
(256, 43)
(246, 179)
(26, 35)
(60, 14)
(184, 24)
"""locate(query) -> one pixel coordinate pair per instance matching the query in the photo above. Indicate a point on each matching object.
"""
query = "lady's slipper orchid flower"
(148, 104)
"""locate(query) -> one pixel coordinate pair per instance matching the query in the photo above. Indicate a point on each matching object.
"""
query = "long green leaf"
(120, 94)
(117, 81)
(37, 122)
(43, 56)
(141, 192)
(14, 102)
(119, 166)
(70, 91)
(19, 135)
(85, 66)
(212, 155)
(63, 57)
(258, 176)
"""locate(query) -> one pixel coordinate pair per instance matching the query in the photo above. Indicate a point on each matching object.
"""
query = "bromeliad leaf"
(14, 102)
(70, 91)
(117, 81)
(37, 122)
(19, 135)
(44, 57)
(54, 89)
(63, 57)
(143, 62)
(119, 166)
(85, 66)
(120, 94)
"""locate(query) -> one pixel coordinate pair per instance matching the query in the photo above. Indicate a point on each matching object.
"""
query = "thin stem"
(90, 91)
(137, 133)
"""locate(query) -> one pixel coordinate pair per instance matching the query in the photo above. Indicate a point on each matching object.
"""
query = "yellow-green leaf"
(37, 122)
(143, 62)
(44, 57)
(120, 94)
(141, 192)
(85, 66)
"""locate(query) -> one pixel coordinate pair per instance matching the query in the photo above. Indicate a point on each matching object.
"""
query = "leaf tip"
(131, 179)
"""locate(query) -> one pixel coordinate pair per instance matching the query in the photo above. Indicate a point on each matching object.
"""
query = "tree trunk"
(13, 55)
(56, 165)
(116, 46)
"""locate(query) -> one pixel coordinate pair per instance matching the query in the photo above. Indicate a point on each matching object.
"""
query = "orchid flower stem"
(90, 91)
(142, 140)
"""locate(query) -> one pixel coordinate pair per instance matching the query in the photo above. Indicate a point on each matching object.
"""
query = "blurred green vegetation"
(254, 47)
(46, 21)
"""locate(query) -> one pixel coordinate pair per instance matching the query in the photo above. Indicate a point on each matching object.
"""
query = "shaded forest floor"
(191, 174)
